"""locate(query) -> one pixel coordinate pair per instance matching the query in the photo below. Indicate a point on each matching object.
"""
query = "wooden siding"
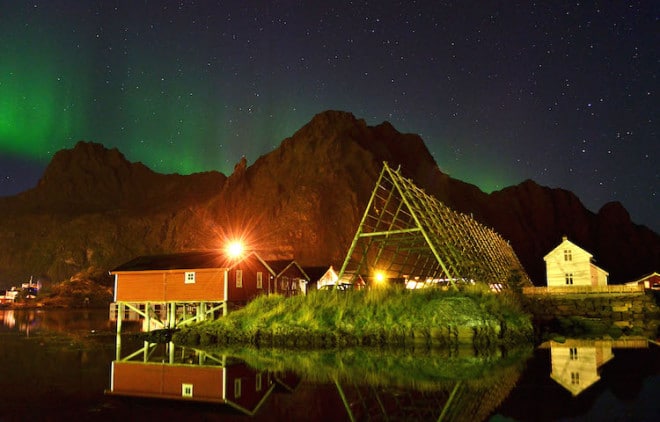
(568, 259)
(165, 381)
(209, 383)
(598, 276)
(169, 285)
(249, 268)
(288, 283)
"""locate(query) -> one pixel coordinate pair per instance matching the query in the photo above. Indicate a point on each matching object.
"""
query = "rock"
(93, 208)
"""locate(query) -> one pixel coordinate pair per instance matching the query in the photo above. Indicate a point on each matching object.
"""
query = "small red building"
(168, 290)
(649, 281)
(289, 279)
(202, 379)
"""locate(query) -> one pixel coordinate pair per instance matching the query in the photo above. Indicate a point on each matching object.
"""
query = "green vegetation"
(579, 327)
(422, 370)
(378, 317)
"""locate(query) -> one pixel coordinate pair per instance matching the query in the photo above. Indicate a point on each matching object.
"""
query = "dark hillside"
(94, 209)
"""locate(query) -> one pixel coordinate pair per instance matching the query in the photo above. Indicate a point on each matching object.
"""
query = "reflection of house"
(199, 379)
(649, 281)
(174, 289)
(576, 367)
(568, 264)
(287, 381)
(575, 363)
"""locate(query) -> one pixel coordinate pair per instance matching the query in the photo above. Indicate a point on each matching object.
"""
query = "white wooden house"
(568, 264)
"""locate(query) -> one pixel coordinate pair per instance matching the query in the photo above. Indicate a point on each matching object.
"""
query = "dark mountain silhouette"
(94, 210)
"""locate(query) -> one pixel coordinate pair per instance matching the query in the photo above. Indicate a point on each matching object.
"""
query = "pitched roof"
(315, 273)
(405, 232)
(281, 265)
(565, 243)
(177, 261)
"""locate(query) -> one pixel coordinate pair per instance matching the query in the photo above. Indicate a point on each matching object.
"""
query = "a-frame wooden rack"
(406, 234)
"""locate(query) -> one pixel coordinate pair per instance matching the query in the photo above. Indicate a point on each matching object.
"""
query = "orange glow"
(379, 277)
(235, 249)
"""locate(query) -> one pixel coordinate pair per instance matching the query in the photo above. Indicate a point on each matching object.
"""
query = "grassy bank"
(423, 370)
(379, 317)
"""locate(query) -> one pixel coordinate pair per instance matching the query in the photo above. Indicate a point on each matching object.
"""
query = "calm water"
(69, 365)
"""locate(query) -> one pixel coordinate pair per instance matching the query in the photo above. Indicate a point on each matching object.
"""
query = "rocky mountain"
(94, 210)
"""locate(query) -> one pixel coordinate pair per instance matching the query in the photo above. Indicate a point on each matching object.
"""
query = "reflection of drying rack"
(372, 404)
(462, 400)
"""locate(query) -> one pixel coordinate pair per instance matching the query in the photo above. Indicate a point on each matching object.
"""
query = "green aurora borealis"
(187, 87)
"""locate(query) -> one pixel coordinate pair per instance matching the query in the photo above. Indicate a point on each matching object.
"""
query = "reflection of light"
(235, 249)
(9, 318)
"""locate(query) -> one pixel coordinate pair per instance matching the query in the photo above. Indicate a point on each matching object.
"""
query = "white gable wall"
(568, 264)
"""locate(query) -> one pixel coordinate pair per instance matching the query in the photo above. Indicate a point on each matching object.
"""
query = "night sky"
(564, 93)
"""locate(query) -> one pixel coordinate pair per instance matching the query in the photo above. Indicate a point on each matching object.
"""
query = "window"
(574, 353)
(186, 390)
(260, 280)
(575, 378)
(239, 278)
(237, 388)
(258, 382)
(568, 256)
(189, 277)
(569, 278)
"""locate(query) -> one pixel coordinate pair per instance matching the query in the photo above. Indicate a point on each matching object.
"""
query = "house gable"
(290, 278)
(568, 264)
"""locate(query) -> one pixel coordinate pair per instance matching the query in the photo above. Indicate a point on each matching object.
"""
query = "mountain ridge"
(93, 210)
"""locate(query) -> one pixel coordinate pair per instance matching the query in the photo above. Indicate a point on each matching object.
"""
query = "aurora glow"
(565, 95)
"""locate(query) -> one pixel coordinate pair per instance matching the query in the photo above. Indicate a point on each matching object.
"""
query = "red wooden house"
(289, 278)
(203, 380)
(168, 290)
(649, 281)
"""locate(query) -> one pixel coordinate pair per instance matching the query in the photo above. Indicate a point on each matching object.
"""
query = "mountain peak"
(304, 199)
(86, 159)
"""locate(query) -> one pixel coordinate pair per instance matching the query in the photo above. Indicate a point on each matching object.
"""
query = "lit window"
(568, 256)
(575, 378)
(239, 278)
(569, 278)
(237, 388)
(189, 277)
(186, 390)
(260, 280)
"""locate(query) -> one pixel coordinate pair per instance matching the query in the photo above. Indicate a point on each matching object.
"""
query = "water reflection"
(576, 363)
(390, 384)
(165, 371)
(56, 366)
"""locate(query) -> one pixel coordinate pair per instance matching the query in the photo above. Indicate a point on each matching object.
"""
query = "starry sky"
(564, 93)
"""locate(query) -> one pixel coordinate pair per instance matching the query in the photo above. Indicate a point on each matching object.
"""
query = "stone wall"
(638, 312)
